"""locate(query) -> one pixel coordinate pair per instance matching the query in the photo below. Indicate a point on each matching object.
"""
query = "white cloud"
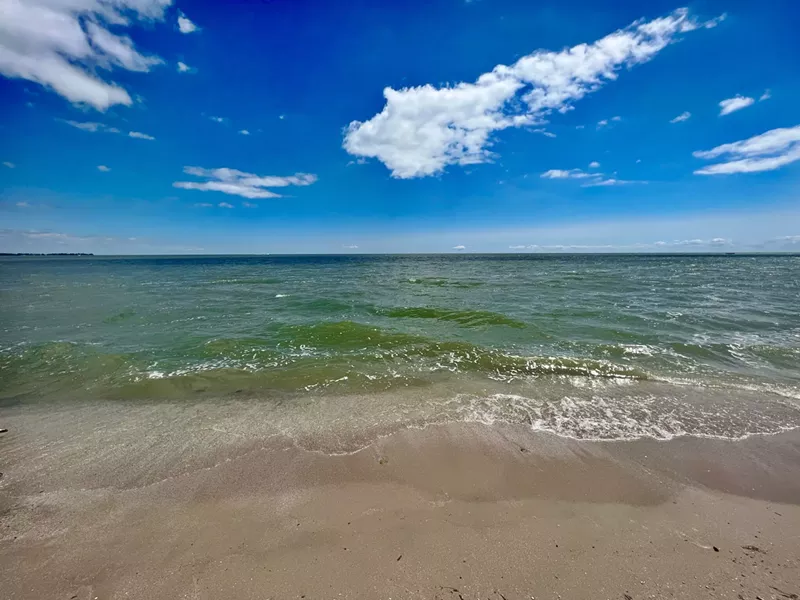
(616, 118)
(733, 104)
(217, 119)
(10, 165)
(249, 205)
(238, 183)
(244, 132)
(684, 116)
(602, 123)
(60, 44)
(203, 205)
(594, 165)
(766, 152)
(225, 205)
(600, 182)
(421, 130)
(23, 205)
(565, 174)
(184, 68)
(459, 247)
(185, 25)
(545, 133)
(765, 96)
(100, 127)
(350, 247)
(103, 168)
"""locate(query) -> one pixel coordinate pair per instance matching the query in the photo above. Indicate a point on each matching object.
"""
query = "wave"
(443, 282)
(467, 318)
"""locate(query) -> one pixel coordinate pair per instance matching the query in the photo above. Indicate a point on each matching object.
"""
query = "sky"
(284, 126)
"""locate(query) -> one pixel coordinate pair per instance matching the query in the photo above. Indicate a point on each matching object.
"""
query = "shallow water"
(603, 347)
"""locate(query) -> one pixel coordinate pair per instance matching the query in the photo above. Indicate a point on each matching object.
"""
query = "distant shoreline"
(46, 254)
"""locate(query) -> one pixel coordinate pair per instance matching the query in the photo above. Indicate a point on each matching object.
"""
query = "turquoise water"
(588, 346)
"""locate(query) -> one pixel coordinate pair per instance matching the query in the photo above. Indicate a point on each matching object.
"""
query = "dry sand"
(453, 511)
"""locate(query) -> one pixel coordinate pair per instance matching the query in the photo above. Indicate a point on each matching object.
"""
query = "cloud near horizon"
(239, 183)
(61, 45)
(766, 152)
(423, 129)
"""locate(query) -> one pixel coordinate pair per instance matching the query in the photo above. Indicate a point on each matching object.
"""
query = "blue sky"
(146, 126)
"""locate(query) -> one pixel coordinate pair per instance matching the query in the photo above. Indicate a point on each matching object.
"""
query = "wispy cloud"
(61, 44)
(544, 132)
(421, 130)
(713, 243)
(217, 119)
(10, 165)
(765, 96)
(766, 152)
(459, 247)
(23, 205)
(239, 183)
(100, 127)
(103, 168)
(733, 104)
(595, 179)
(184, 68)
(684, 116)
(225, 205)
(185, 25)
(140, 136)
(244, 132)
(350, 247)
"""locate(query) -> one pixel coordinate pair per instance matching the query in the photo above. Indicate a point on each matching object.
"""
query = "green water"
(588, 346)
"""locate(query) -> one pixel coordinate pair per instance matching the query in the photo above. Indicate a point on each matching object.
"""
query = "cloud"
(594, 164)
(564, 174)
(10, 165)
(602, 123)
(733, 104)
(616, 118)
(244, 132)
(684, 116)
(636, 247)
(100, 127)
(545, 133)
(184, 68)
(238, 183)
(23, 205)
(217, 119)
(423, 129)
(185, 25)
(103, 168)
(600, 182)
(459, 247)
(225, 205)
(765, 96)
(766, 152)
(350, 247)
(62, 45)
(203, 205)
(249, 205)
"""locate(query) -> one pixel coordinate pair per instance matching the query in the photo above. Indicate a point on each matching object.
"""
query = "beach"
(446, 511)
(473, 427)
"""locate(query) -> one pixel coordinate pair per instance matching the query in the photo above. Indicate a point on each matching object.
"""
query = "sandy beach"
(463, 511)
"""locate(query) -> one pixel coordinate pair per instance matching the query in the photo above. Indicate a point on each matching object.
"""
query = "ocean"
(604, 347)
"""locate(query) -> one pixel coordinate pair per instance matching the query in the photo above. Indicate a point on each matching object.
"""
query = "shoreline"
(484, 511)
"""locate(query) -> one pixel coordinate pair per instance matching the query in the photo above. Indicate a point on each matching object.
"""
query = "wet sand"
(464, 511)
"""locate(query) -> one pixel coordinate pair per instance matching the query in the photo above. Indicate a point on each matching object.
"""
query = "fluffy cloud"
(185, 25)
(684, 116)
(244, 132)
(61, 44)
(100, 127)
(564, 174)
(184, 68)
(766, 152)
(423, 129)
(238, 183)
(733, 104)
(350, 247)
(594, 165)
(103, 168)
(459, 247)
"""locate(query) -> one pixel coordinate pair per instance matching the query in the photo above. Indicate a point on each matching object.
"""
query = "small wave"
(281, 295)
(442, 282)
(467, 318)
(246, 281)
